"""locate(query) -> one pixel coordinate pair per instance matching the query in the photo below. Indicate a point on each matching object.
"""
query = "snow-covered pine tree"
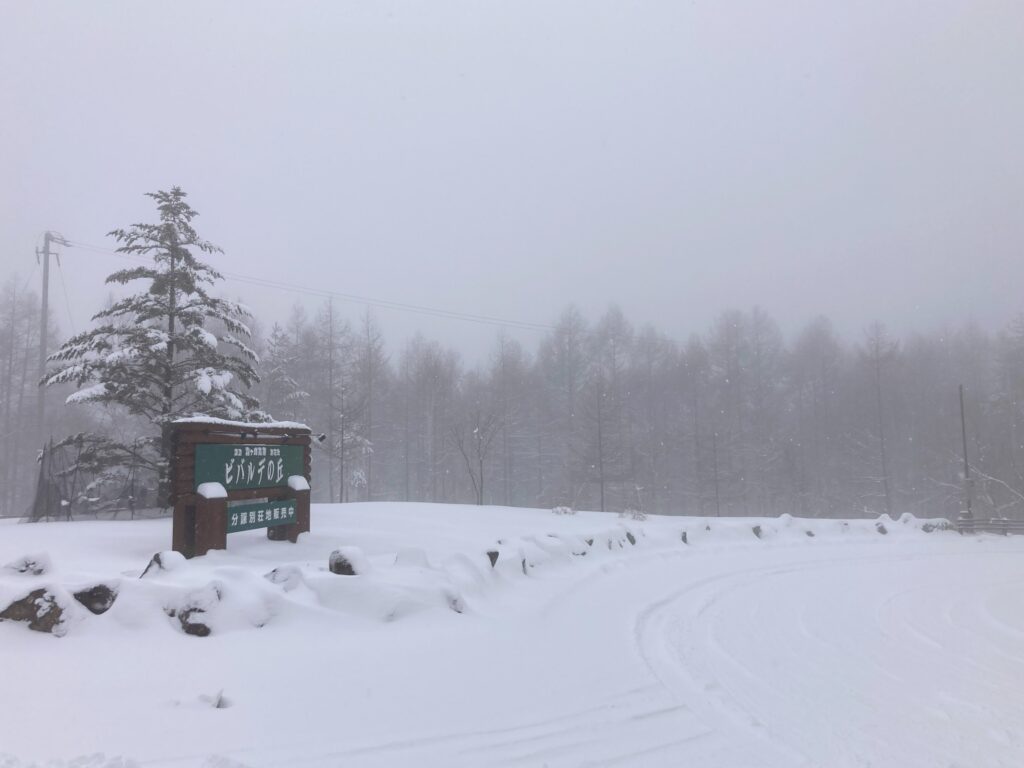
(169, 350)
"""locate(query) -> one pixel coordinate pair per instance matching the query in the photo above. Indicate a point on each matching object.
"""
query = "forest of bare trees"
(22, 435)
(600, 415)
(736, 420)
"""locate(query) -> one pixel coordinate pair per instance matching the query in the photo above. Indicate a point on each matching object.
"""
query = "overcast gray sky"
(859, 159)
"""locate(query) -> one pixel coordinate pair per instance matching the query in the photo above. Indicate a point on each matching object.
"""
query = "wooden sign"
(231, 476)
(248, 465)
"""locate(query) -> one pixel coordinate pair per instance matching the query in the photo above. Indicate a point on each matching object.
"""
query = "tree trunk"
(330, 399)
(714, 455)
(600, 442)
(9, 461)
(167, 405)
(697, 468)
(881, 437)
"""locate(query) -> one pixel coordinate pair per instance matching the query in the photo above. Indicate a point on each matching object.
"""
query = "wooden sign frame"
(201, 523)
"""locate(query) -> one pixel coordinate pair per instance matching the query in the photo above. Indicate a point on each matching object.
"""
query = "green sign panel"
(248, 466)
(262, 514)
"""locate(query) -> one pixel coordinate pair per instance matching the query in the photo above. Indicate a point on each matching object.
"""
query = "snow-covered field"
(580, 647)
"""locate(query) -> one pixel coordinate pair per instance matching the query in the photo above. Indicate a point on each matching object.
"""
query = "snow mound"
(375, 580)
(412, 557)
(31, 565)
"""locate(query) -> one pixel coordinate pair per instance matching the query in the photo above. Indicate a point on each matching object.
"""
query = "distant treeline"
(600, 415)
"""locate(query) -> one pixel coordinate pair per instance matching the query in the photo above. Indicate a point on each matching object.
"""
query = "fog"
(505, 159)
(631, 382)
(597, 241)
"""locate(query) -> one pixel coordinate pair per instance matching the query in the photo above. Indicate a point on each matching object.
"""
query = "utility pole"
(967, 466)
(714, 453)
(881, 434)
(44, 312)
(43, 317)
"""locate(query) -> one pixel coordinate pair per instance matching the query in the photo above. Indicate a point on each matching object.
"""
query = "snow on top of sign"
(212, 491)
(298, 483)
(198, 419)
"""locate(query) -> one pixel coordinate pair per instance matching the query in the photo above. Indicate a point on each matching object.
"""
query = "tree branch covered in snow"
(170, 349)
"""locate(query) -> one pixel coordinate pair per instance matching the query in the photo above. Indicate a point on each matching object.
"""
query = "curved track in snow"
(893, 660)
(841, 656)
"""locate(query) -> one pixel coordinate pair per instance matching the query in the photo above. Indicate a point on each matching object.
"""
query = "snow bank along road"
(594, 640)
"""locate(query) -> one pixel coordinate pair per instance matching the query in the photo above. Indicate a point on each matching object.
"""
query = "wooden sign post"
(231, 476)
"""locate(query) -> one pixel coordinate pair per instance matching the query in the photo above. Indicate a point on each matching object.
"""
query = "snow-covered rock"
(44, 610)
(97, 598)
(348, 561)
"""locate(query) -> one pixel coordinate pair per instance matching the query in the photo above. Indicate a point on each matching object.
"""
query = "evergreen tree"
(169, 350)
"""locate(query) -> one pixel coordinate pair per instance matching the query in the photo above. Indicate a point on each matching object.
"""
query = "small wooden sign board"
(262, 514)
(232, 476)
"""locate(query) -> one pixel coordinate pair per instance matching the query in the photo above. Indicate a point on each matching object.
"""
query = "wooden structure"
(967, 523)
(216, 465)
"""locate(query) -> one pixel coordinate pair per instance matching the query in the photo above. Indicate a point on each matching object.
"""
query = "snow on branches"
(170, 349)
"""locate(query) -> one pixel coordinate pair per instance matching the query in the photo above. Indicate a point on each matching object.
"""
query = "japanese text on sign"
(247, 466)
(245, 517)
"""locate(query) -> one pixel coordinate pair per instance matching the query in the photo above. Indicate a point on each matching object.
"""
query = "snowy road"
(839, 650)
(899, 659)
(913, 659)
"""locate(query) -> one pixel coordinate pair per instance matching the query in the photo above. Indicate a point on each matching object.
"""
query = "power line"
(450, 314)
(67, 301)
(28, 279)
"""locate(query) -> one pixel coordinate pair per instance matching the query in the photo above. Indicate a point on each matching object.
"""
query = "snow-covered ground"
(595, 640)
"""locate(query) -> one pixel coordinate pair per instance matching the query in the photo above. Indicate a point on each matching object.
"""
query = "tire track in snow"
(537, 742)
(678, 637)
(690, 658)
(708, 704)
(676, 667)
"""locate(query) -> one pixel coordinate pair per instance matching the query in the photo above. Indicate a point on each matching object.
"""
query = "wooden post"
(183, 531)
(302, 515)
(211, 525)
(183, 527)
